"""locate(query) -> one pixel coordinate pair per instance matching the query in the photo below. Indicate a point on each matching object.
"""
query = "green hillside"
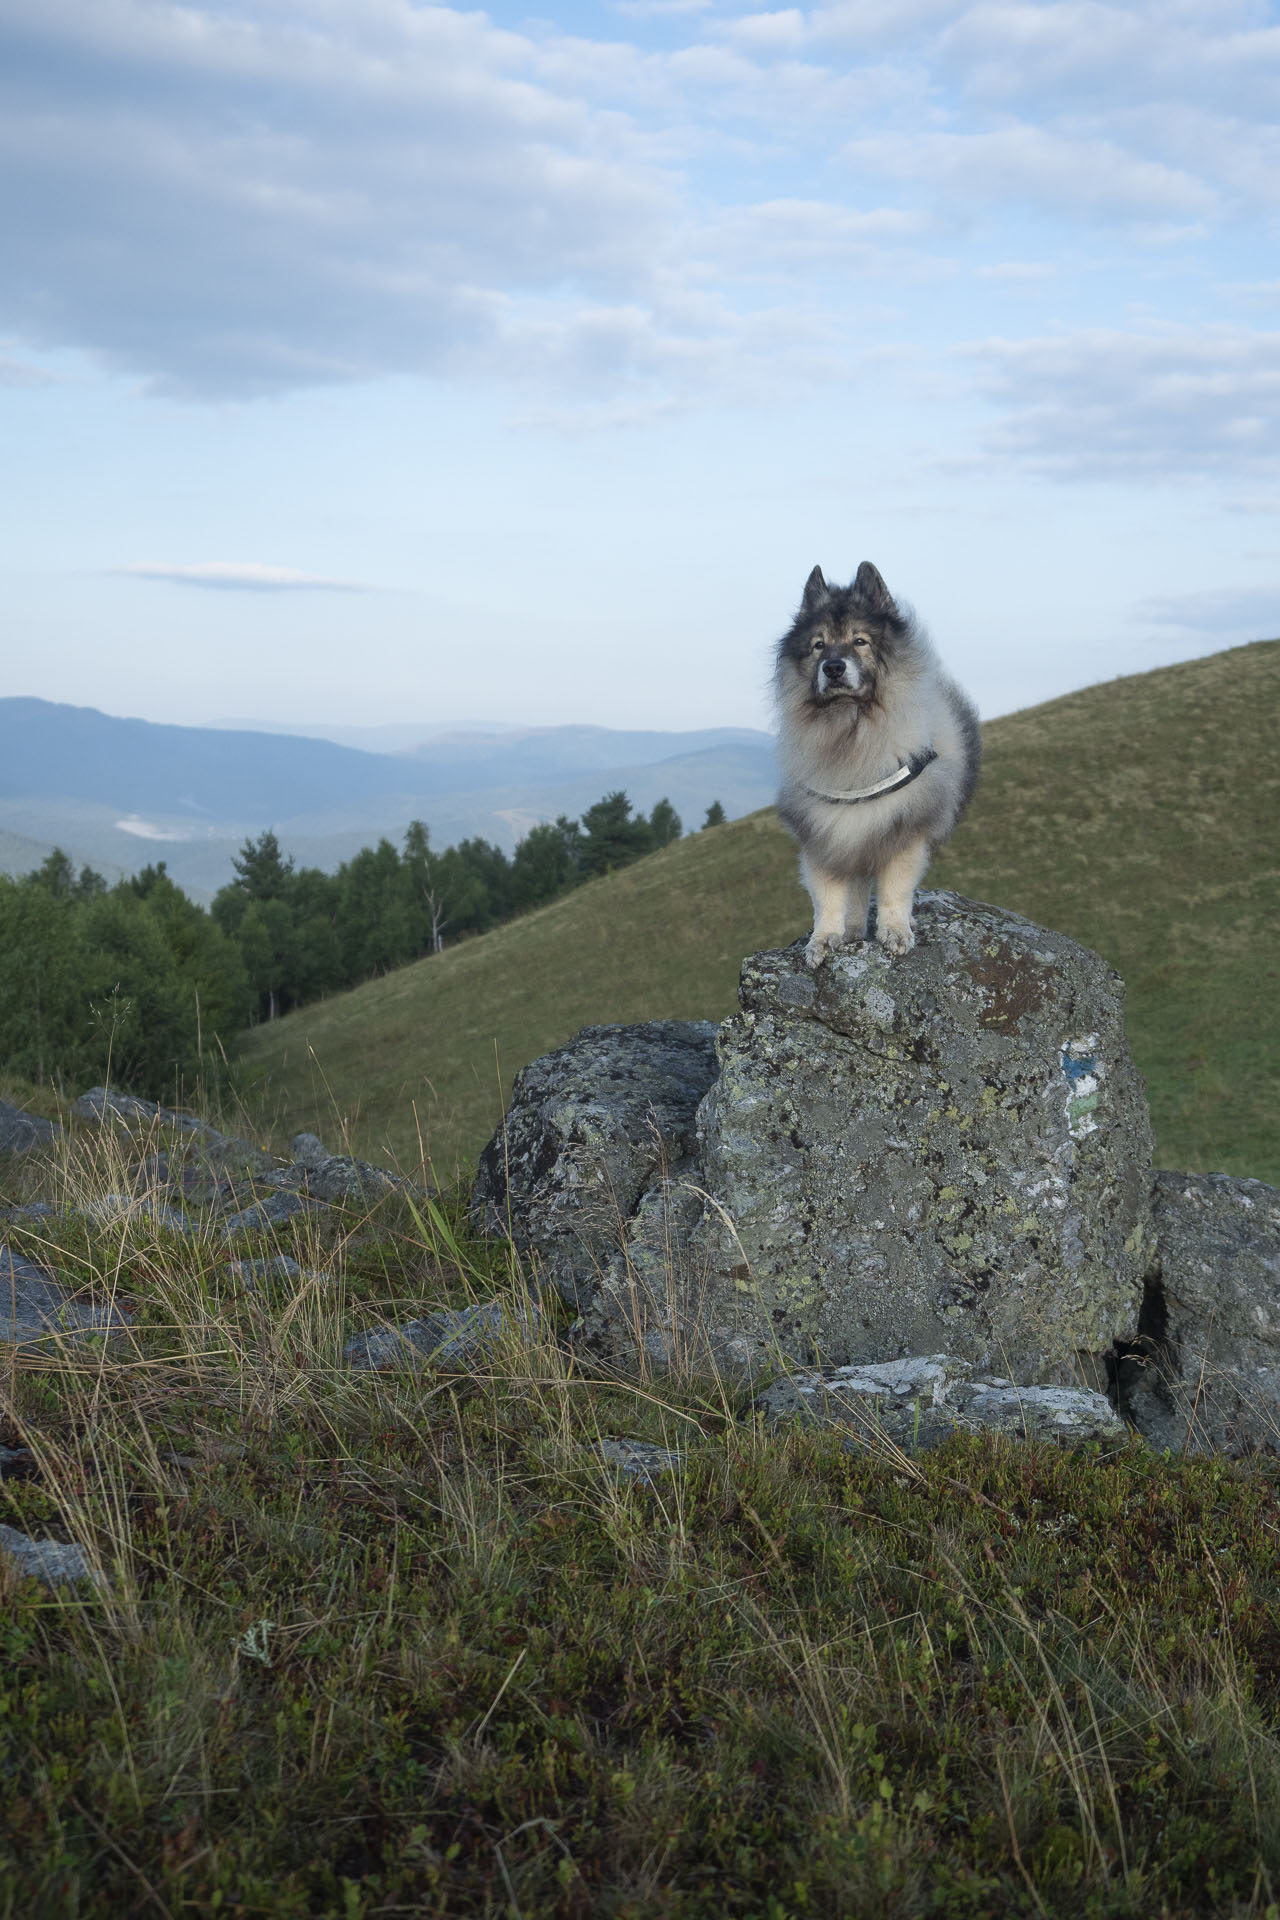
(1138, 816)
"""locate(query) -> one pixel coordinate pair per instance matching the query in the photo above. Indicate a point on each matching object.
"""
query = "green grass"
(403, 1644)
(1138, 816)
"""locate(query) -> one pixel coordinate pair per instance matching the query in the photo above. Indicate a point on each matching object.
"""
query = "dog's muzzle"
(839, 674)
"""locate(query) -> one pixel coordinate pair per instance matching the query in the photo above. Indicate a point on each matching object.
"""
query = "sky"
(365, 361)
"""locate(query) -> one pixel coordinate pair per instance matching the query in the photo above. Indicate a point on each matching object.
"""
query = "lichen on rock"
(948, 1151)
(588, 1129)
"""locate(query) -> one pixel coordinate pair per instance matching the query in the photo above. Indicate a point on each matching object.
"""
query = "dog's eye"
(818, 645)
(861, 640)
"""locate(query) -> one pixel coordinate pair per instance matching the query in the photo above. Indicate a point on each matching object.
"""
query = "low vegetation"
(1138, 816)
(405, 1643)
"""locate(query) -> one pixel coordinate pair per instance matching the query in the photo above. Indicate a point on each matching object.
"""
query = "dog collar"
(910, 770)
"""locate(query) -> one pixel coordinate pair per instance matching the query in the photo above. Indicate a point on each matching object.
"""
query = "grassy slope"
(1138, 816)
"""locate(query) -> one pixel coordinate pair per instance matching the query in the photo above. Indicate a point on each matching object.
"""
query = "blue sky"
(366, 361)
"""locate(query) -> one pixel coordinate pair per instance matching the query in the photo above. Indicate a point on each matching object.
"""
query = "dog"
(879, 754)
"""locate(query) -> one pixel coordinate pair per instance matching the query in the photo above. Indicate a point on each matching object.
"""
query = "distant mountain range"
(118, 793)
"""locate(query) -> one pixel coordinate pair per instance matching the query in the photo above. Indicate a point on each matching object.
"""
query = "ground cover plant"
(407, 1642)
(1137, 816)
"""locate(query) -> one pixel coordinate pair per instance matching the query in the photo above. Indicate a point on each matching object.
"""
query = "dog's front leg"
(830, 896)
(857, 900)
(895, 892)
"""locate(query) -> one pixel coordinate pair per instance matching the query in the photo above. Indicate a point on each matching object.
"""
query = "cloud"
(247, 576)
(659, 9)
(229, 198)
(20, 373)
(1074, 172)
(781, 235)
(1166, 404)
(1097, 54)
(1247, 613)
(239, 203)
(144, 830)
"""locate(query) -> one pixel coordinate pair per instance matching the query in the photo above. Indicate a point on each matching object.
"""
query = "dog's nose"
(834, 668)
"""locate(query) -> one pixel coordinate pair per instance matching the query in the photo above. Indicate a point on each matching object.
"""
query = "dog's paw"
(817, 950)
(897, 939)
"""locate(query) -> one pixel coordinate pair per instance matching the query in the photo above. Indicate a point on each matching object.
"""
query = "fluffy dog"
(879, 753)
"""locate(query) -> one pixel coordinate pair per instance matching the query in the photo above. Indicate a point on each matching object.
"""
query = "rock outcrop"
(943, 1153)
(939, 1161)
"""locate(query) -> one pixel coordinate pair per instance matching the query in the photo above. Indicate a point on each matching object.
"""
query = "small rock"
(114, 1206)
(265, 1214)
(33, 1304)
(918, 1402)
(249, 1272)
(52, 1561)
(102, 1103)
(16, 1463)
(332, 1176)
(20, 1132)
(464, 1338)
(641, 1459)
(212, 1148)
(309, 1150)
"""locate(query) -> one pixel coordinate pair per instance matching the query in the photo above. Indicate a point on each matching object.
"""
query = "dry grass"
(404, 1643)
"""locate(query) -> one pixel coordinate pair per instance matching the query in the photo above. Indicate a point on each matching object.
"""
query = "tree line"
(139, 982)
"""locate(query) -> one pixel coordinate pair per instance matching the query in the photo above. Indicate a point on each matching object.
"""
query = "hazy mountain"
(119, 793)
(393, 736)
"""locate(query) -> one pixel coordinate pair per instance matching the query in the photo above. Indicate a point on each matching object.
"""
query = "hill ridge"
(1136, 815)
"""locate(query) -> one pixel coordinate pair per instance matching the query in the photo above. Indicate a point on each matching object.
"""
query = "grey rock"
(335, 1176)
(212, 1148)
(919, 1401)
(20, 1132)
(263, 1215)
(309, 1150)
(249, 1272)
(1204, 1373)
(52, 1561)
(467, 1337)
(16, 1462)
(34, 1305)
(132, 1206)
(947, 1151)
(588, 1128)
(107, 1103)
(641, 1459)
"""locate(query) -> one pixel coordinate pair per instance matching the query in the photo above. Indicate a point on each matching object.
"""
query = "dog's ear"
(871, 590)
(815, 591)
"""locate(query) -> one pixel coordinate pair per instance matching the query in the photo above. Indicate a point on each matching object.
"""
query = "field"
(373, 1644)
(1138, 816)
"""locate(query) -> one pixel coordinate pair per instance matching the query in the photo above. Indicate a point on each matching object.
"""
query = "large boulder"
(944, 1152)
(588, 1129)
(1203, 1375)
